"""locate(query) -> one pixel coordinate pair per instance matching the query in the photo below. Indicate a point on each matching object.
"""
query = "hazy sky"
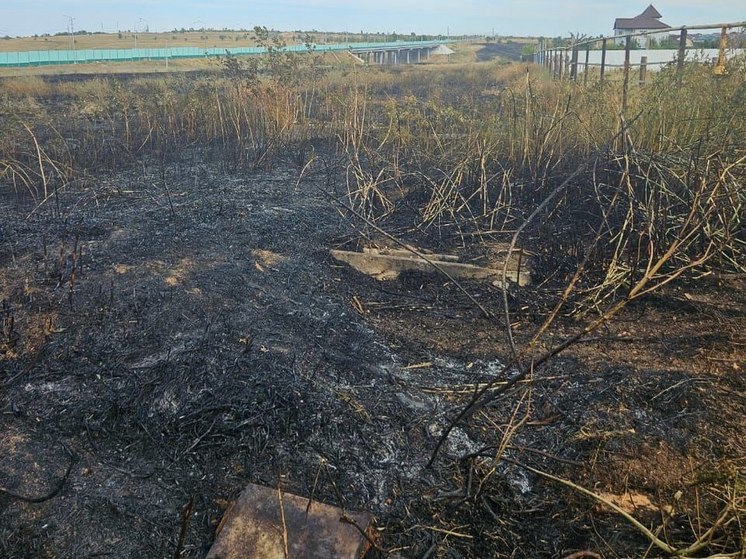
(518, 17)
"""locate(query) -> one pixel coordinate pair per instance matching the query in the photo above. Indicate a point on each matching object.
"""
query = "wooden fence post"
(603, 59)
(625, 85)
(553, 63)
(574, 63)
(587, 56)
(557, 62)
(682, 52)
(643, 69)
(720, 66)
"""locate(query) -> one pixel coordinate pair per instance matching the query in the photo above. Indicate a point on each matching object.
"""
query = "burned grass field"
(174, 326)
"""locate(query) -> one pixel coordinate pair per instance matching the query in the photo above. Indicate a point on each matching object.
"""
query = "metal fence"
(565, 62)
(50, 57)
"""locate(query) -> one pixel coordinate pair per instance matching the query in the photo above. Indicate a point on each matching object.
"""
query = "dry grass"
(126, 40)
(26, 86)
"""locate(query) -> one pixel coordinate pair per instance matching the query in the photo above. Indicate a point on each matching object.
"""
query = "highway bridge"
(397, 52)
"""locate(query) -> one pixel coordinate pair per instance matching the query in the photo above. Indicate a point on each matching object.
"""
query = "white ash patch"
(518, 480)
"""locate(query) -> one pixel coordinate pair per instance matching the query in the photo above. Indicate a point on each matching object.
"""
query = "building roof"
(649, 19)
(651, 12)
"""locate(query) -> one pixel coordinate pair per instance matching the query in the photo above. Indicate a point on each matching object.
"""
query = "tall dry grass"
(473, 147)
(664, 182)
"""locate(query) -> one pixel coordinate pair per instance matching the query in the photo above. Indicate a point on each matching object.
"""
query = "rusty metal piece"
(267, 524)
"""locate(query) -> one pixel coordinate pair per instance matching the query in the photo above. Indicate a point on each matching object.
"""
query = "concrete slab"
(263, 525)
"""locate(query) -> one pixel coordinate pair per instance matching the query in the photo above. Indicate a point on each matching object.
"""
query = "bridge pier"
(393, 54)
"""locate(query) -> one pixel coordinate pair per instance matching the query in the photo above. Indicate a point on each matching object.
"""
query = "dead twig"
(55, 489)
(346, 519)
(186, 518)
(703, 541)
(660, 544)
(285, 549)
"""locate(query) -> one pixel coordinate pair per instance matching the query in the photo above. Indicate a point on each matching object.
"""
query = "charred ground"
(170, 349)
(173, 326)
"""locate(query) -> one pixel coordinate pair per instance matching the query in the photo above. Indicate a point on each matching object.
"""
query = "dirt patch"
(508, 51)
(183, 344)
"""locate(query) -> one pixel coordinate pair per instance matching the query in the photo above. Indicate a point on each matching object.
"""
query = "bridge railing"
(564, 62)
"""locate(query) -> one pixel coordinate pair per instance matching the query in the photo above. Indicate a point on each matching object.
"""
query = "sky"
(440, 17)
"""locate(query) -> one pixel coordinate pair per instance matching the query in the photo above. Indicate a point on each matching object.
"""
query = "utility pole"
(137, 25)
(71, 34)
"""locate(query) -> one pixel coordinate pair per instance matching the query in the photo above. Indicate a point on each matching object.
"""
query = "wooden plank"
(408, 253)
(389, 266)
